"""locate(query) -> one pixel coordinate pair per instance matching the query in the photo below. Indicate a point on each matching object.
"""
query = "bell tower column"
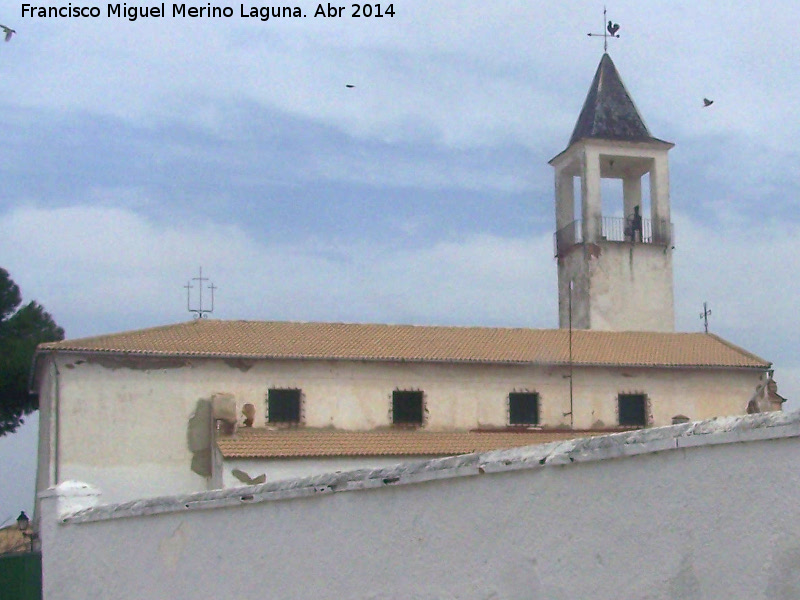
(659, 199)
(591, 208)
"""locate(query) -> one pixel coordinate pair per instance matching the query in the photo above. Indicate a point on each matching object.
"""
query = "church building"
(209, 403)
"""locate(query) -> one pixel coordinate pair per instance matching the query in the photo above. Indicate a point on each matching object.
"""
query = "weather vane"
(199, 312)
(611, 30)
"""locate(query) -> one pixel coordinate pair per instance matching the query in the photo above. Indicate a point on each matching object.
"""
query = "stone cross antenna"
(199, 312)
(705, 314)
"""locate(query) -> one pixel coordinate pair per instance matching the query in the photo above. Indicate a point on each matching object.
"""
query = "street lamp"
(23, 523)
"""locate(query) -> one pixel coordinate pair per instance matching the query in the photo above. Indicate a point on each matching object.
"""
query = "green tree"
(21, 330)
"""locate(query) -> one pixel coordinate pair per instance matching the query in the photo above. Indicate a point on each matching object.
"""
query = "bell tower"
(613, 241)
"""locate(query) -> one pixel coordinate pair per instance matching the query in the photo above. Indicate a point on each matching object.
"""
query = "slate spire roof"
(609, 112)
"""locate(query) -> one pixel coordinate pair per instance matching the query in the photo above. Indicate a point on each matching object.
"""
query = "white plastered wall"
(700, 512)
(618, 287)
(124, 427)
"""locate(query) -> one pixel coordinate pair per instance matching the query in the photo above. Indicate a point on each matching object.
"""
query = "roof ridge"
(255, 340)
(92, 338)
(70, 342)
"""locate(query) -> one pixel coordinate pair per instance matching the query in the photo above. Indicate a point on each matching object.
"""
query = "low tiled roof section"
(307, 443)
(12, 540)
(343, 341)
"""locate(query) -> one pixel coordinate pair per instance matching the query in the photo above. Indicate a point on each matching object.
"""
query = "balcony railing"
(615, 229)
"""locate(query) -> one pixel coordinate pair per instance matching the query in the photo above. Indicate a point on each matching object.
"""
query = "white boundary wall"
(704, 510)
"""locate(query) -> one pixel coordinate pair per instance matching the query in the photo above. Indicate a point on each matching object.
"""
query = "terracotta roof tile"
(346, 341)
(12, 540)
(307, 443)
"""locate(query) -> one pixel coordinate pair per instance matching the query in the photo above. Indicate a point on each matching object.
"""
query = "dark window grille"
(632, 410)
(523, 408)
(283, 406)
(407, 407)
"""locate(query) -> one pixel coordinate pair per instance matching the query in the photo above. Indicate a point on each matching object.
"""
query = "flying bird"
(8, 31)
(349, 85)
(707, 102)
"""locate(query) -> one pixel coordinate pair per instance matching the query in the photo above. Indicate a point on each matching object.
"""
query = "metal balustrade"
(615, 229)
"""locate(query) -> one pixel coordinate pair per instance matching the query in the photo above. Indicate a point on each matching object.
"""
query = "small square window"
(407, 407)
(283, 406)
(523, 408)
(632, 410)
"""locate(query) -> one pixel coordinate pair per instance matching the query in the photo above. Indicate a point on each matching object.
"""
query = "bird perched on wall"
(707, 102)
(8, 32)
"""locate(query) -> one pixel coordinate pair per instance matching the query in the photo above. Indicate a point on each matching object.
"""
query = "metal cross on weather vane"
(610, 29)
(199, 312)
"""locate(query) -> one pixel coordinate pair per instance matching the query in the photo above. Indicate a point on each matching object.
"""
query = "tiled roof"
(609, 112)
(307, 443)
(343, 341)
(12, 540)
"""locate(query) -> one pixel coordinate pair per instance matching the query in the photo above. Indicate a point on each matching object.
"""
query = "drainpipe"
(571, 410)
(56, 423)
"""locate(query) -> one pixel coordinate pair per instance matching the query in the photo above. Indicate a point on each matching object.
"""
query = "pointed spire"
(609, 112)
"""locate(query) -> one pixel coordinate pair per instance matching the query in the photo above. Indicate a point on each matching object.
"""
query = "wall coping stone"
(720, 430)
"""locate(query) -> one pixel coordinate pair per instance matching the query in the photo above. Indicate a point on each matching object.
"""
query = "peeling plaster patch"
(200, 430)
(198, 437)
(521, 579)
(241, 364)
(246, 479)
(725, 430)
(592, 251)
(138, 363)
(784, 580)
(171, 548)
(685, 584)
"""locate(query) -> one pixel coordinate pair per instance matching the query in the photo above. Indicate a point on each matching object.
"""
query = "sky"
(137, 151)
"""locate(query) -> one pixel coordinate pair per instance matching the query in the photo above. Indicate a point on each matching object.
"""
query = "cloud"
(101, 269)
(434, 72)
(747, 272)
